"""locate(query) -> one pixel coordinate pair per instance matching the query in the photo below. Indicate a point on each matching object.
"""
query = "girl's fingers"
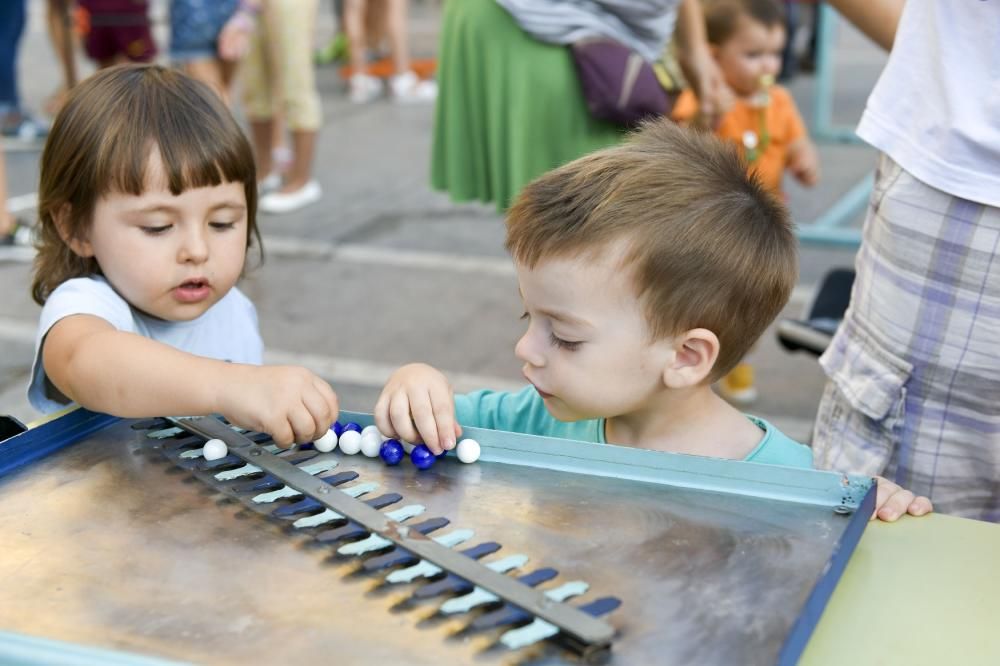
(319, 411)
(332, 403)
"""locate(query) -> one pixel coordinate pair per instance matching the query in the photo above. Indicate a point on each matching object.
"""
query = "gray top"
(645, 26)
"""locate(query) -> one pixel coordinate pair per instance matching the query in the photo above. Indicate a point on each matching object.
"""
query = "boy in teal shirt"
(647, 270)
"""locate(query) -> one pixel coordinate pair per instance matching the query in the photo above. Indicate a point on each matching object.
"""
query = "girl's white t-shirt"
(227, 331)
(936, 107)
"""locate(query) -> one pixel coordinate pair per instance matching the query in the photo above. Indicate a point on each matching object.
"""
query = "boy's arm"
(417, 404)
(892, 501)
(107, 370)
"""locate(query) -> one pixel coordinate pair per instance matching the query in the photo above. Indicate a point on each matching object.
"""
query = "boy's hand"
(803, 162)
(417, 405)
(289, 403)
(892, 501)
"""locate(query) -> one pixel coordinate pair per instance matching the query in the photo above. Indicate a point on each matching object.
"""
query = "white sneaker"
(408, 87)
(271, 183)
(364, 88)
(277, 203)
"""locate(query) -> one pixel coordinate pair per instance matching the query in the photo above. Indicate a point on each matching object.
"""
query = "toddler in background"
(146, 204)
(747, 38)
(646, 271)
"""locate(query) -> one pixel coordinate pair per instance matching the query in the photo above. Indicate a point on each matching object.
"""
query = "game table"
(122, 547)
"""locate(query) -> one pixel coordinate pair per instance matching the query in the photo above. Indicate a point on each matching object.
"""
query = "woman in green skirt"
(510, 105)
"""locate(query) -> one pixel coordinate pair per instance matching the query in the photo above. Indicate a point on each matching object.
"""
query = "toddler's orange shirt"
(784, 127)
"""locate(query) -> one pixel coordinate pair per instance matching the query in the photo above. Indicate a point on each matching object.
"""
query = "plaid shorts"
(914, 371)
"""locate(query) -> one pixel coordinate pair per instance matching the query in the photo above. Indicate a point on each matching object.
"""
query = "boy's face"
(751, 53)
(172, 257)
(587, 350)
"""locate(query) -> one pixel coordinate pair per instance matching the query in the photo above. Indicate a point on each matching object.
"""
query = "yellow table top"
(919, 591)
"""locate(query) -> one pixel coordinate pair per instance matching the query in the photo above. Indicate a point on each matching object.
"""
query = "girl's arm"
(107, 370)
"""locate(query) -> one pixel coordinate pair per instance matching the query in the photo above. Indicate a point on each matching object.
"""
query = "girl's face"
(587, 349)
(751, 53)
(172, 257)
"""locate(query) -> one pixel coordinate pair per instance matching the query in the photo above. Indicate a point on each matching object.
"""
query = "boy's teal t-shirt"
(524, 412)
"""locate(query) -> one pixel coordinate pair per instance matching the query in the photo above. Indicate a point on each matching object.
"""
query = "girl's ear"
(78, 242)
(694, 355)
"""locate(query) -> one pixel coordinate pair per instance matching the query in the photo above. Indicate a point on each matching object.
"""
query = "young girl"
(146, 208)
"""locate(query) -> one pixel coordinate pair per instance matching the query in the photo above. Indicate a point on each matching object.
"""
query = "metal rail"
(589, 635)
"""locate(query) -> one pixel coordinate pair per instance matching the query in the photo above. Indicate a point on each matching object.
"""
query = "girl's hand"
(892, 501)
(417, 405)
(289, 403)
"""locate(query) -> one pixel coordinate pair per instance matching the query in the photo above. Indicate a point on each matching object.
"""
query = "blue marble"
(421, 457)
(391, 452)
(352, 426)
(338, 428)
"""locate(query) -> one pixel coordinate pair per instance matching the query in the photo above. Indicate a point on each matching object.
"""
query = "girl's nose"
(194, 248)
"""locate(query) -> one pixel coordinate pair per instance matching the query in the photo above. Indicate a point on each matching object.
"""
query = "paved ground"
(385, 271)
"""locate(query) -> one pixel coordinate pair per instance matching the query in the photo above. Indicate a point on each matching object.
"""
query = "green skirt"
(509, 107)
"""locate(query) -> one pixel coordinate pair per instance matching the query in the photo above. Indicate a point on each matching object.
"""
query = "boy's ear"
(79, 243)
(694, 356)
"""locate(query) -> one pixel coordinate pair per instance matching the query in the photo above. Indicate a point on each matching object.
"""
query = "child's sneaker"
(278, 203)
(364, 88)
(737, 387)
(408, 87)
(18, 244)
(25, 128)
(271, 183)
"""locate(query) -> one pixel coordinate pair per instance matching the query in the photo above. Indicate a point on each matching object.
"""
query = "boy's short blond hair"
(708, 246)
(722, 16)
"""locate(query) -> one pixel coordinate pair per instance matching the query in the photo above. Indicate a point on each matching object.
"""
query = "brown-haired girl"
(147, 208)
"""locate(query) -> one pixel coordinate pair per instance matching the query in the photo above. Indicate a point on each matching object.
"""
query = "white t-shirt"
(228, 331)
(936, 107)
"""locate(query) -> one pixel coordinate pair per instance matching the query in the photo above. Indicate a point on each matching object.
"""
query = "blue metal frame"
(850, 494)
(19, 650)
(50, 437)
(812, 610)
(828, 229)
